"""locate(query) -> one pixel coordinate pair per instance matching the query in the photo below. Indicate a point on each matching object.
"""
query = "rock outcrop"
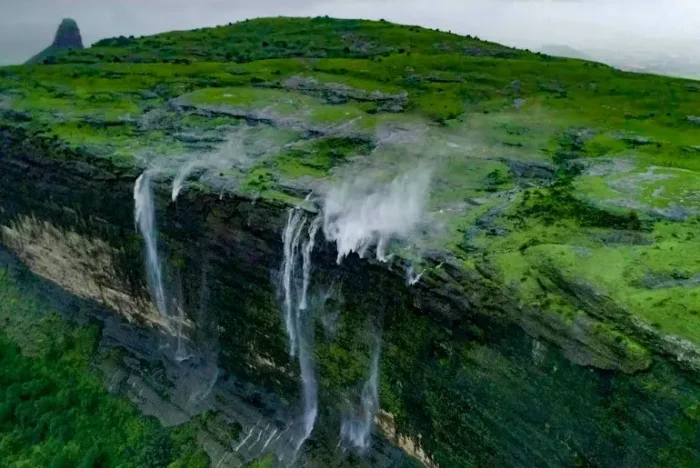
(67, 37)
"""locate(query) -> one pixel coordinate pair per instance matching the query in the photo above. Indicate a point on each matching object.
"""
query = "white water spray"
(144, 214)
(360, 215)
(357, 430)
(412, 276)
(185, 171)
(233, 153)
(298, 323)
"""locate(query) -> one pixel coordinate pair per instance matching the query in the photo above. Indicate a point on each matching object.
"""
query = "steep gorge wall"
(459, 373)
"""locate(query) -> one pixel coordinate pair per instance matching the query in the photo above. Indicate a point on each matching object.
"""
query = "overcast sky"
(27, 26)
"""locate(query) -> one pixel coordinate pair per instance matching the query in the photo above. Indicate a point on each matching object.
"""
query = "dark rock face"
(481, 380)
(68, 35)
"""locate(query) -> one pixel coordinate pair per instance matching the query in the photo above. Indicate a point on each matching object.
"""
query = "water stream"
(144, 214)
(292, 232)
(298, 320)
(356, 429)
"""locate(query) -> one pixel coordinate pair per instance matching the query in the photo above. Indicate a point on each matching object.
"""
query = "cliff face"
(67, 38)
(467, 375)
(537, 217)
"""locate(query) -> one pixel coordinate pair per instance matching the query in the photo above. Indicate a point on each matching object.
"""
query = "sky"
(27, 26)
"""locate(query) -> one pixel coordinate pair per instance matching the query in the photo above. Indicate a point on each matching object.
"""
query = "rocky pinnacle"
(68, 35)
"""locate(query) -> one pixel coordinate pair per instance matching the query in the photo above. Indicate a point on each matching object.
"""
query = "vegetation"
(545, 171)
(266, 38)
(54, 411)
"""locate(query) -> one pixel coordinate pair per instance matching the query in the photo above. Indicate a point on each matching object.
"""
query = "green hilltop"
(558, 178)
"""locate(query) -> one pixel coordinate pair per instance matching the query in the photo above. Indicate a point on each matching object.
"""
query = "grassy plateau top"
(543, 169)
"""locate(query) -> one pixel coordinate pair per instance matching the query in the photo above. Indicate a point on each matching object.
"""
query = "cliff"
(555, 319)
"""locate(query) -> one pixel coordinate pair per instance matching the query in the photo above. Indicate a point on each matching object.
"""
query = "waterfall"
(305, 334)
(309, 384)
(360, 215)
(295, 223)
(308, 248)
(181, 352)
(144, 214)
(297, 320)
(356, 430)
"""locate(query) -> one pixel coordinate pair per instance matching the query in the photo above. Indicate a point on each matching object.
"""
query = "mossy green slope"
(540, 164)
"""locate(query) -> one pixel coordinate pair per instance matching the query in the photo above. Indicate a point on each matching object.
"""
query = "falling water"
(269, 439)
(308, 248)
(144, 214)
(297, 319)
(295, 223)
(356, 430)
(309, 385)
(181, 353)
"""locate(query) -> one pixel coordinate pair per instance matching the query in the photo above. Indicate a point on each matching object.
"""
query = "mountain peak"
(68, 35)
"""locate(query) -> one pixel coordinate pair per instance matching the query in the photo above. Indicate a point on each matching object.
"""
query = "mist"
(361, 214)
(625, 26)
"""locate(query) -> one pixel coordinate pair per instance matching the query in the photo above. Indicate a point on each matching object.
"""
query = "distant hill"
(273, 38)
(559, 50)
(67, 37)
(681, 61)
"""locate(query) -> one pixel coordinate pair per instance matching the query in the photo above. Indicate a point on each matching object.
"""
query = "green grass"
(318, 157)
(290, 105)
(619, 271)
(266, 462)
